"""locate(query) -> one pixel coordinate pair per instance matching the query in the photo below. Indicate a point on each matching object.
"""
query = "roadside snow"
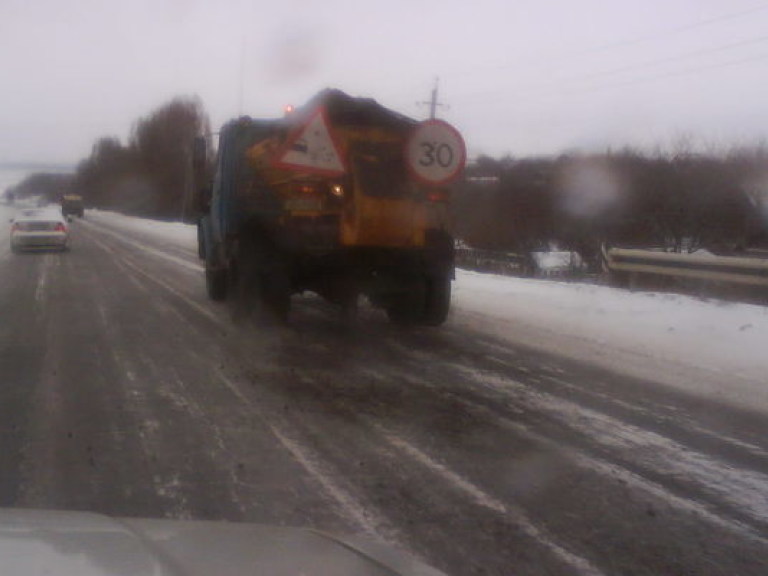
(178, 233)
(707, 347)
(710, 348)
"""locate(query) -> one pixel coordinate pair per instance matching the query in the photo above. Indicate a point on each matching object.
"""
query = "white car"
(39, 228)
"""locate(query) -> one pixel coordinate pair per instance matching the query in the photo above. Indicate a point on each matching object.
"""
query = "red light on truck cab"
(437, 196)
(60, 227)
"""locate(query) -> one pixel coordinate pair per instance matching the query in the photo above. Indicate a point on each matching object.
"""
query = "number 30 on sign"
(435, 153)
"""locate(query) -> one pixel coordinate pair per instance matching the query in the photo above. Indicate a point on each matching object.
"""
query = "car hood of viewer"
(85, 544)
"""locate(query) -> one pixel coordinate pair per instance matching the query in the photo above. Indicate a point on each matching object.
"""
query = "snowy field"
(705, 347)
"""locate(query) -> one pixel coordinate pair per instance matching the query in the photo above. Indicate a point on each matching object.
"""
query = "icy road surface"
(546, 429)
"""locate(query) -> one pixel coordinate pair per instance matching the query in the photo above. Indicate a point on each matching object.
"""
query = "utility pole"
(433, 101)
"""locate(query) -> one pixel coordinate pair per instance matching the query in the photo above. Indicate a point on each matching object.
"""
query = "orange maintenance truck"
(341, 197)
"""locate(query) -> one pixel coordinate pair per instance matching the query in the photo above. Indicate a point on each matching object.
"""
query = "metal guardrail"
(752, 271)
(530, 265)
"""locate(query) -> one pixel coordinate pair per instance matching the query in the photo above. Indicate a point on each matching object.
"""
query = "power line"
(676, 30)
(685, 56)
(647, 64)
(628, 42)
(694, 70)
(677, 73)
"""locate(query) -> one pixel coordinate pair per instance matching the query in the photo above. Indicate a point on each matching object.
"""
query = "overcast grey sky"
(521, 77)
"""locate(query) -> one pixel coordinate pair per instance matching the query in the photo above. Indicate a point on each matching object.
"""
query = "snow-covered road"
(547, 428)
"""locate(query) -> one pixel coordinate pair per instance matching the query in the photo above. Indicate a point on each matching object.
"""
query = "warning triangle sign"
(312, 148)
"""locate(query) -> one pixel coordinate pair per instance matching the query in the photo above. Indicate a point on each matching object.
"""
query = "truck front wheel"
(407, 308)
(216, 283)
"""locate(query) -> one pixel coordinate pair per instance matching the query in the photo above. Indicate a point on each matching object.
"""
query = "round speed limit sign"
(435, 153)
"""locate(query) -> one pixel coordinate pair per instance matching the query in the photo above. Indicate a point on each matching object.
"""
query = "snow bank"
(178, 233)
(708, 347)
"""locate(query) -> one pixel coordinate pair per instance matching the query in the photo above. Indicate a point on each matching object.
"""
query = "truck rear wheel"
(427, 304)
(437, 300)
(407, 308)
(402, 315)
(259, 282)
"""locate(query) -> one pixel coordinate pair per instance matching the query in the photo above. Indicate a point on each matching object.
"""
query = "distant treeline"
(48, 185)
(148, 176)
(680, 201)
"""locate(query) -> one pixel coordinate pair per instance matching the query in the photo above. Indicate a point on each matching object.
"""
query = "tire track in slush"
(510, 512)
(168, 483)
(397, 449)
(740, 489)
(745, 490)
(357, 514)
(371, 523)
(594, 463)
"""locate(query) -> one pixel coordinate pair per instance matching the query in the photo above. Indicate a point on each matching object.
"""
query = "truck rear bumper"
(365, 270)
